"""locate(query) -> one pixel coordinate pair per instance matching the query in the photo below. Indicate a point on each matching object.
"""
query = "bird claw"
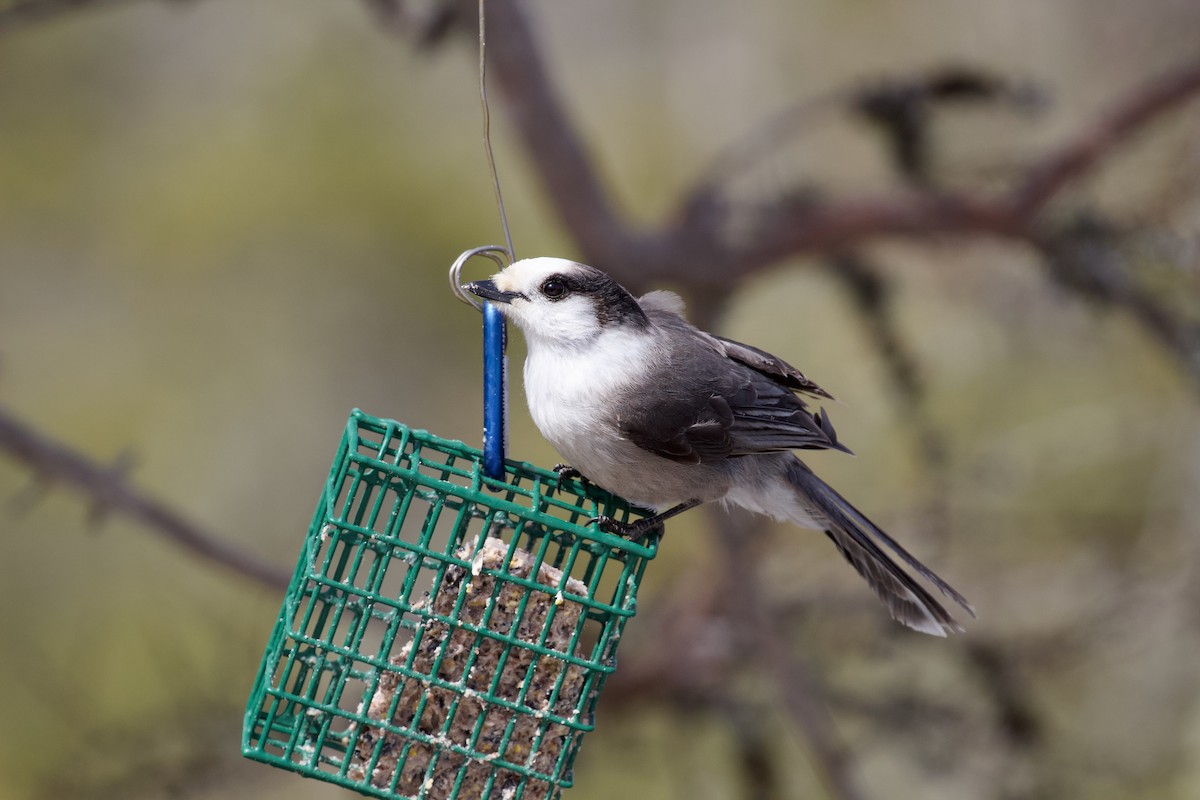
(635, 531)
(609, 525)
(566, 472)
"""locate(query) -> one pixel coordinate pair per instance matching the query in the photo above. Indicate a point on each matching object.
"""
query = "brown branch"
(1086, 150)
(425, 27)
(899, 108)
(31, 11)
(799, 692)
(785, 126)
(757, 760)
(556, 150)
(54, 461)
(1095, 268)
(836, 226)
(689, 251)
(688, 653)
(682, 252)
(872, 298)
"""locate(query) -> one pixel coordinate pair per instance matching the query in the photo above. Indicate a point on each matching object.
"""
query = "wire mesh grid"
(445, 635)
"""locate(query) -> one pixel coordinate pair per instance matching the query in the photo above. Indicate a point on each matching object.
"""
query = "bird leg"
(637, 530)
(566, 472)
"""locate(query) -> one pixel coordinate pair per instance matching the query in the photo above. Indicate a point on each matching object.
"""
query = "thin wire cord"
(487, 131)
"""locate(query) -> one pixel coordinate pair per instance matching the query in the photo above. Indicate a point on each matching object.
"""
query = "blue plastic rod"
(495, 392)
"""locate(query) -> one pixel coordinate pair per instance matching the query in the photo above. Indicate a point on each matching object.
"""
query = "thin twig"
(758, 762)
(679, 252)
(839, 225)
(54, 461)
(585, 208)
(31, 11)
(873, 300)
(798, 690)
(1089, 261)
(784, 127)
(558, 155)
(1088, 149)
(693, 655)
(890, 103)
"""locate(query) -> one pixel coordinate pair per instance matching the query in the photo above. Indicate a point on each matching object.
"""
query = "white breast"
(571, 395)
(574, 397)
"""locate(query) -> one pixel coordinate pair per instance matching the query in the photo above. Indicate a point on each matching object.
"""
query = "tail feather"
(855, 538)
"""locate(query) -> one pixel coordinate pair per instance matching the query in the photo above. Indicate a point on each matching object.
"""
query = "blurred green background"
(225, 223)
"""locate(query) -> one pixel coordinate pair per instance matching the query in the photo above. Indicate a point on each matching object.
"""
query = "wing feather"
(733, 399)
(771, 366)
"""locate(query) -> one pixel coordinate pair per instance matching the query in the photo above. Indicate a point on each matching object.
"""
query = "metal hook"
(500, 256)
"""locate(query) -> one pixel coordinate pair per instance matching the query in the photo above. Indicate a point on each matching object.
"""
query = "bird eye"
(554, 288)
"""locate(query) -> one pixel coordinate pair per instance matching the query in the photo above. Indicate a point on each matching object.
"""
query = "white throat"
(570, 387)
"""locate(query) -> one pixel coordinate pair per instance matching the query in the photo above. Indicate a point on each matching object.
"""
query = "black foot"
(635, 531)
(566, 472)
(639, 529)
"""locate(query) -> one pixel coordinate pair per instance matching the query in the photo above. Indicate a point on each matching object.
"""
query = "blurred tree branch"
(696, 251)
(799, 691)
(689, 254)
(1088, 149)
(871, 293)
(691, 250)
(696, 248)
(54, 462)
(26, 12)
(899, 107)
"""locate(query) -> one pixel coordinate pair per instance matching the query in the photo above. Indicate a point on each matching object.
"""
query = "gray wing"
(666, 308)
(771, 366)
(736, 400)
(712, 406)
(723, 422)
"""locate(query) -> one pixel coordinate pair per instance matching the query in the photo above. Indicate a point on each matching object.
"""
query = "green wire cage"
(445, 635)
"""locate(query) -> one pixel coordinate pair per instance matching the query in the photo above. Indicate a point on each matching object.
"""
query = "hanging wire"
(487, 131)
(501, 256)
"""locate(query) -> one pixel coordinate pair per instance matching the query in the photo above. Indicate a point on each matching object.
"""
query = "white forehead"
(530, 272)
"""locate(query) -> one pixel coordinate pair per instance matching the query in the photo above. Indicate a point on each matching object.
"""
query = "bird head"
(558, 301)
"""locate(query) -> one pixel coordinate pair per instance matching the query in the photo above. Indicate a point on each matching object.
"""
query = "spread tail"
(857, 538)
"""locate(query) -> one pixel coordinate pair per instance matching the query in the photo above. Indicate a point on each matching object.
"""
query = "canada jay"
(645, 405)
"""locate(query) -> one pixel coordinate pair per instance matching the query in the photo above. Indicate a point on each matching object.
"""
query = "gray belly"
(643, 478)
(576, 417)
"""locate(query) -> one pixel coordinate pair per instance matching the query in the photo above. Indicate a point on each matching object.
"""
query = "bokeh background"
(225, 223)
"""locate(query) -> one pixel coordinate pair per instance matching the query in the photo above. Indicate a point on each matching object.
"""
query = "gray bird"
(649, 407)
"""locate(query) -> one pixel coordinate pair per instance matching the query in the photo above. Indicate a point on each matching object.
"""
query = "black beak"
(488, 291)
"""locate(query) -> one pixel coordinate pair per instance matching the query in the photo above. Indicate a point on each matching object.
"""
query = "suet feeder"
(450, 623)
